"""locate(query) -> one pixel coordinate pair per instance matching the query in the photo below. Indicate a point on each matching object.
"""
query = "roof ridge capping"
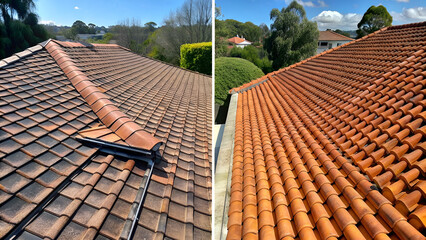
(416, 24)
(246, 85)
(16, 56)
(99, 102)
(85, 45)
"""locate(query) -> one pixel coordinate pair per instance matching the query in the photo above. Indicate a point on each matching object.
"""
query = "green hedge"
(197, 57)
(231, 73)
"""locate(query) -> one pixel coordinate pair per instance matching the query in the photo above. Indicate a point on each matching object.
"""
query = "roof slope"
(332, 36)
(52, 186)
(334, 146)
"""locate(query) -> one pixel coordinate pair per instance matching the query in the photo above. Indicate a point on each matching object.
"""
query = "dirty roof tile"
(42, 224)
(17, 158)
(42, 112)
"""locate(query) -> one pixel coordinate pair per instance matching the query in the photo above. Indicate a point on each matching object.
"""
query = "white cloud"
(415, 13)
(408, 15)
(319, 3)
(76, 8)
(47, 22)
(336, 20)
(406, 1)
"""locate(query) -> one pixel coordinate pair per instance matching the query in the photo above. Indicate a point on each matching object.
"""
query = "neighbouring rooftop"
(238, 40)
(333, 146)
(332, 36)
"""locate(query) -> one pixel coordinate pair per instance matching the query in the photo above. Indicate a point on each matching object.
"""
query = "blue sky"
(104, 12)
(332, 14)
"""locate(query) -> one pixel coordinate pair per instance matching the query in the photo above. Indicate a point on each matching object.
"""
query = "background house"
(329, 39)
(239, 42)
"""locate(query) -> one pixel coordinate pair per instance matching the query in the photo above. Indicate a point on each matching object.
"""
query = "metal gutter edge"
(255, 84)
(223, 172)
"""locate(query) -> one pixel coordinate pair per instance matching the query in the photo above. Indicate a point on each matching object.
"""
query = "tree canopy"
(151, 26)
(22, 32)
(374, 19)
(231, 28)
(293, 37)
(79, 27)
(189, 24)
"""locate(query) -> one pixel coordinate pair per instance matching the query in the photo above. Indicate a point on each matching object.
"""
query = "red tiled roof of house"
(237, 40)
(332, 36)
(334, 146)
(54, 186)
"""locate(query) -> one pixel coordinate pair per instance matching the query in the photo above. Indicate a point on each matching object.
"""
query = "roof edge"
(16, 56)
(237, 89)
(107, 112)
(223, 173)
(408, 25)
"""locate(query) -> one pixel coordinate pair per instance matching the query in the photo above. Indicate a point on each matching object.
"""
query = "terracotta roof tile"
(332, 36)
(328, 147)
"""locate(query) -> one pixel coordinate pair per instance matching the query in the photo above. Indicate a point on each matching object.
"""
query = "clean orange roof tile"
(335, 144)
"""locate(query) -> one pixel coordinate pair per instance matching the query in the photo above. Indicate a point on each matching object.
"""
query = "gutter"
(223, 172)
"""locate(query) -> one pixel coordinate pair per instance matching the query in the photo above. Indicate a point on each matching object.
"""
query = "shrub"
(197, 57)
(232, 72)
(254, 55)
(236, 52)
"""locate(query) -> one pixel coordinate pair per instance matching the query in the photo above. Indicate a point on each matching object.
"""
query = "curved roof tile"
(334, 146)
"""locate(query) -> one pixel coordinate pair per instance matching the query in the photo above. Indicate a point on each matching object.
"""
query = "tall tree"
(293, 37)
(19, 7)
(79, 27)
(151, 26)
(21, 32)
(265, 30)
(131, 34)
(189, 24)
(92, 28)
(374, 19)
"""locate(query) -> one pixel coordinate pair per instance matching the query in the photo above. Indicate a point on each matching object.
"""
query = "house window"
(330, 45)
(323, 44)
(338, 44)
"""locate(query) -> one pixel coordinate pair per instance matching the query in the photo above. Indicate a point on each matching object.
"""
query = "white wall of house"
(243, 44)
(325, 45)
